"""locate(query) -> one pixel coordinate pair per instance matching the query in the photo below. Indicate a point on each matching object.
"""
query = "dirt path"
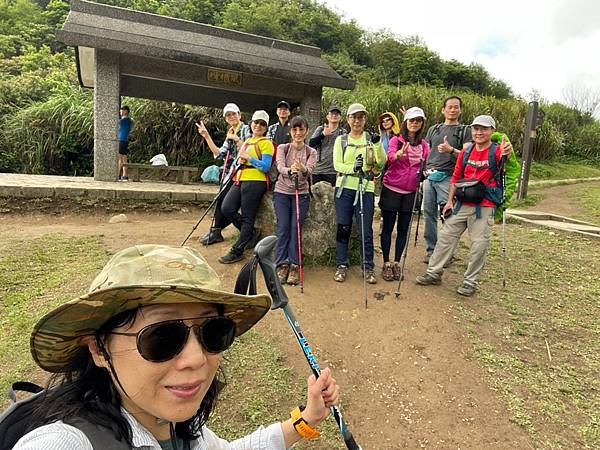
(402, 364)
(557, 200)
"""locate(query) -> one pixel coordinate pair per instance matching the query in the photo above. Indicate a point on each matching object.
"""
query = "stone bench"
(183, 173)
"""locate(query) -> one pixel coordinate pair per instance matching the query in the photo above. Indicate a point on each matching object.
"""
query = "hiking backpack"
(460, 133)
(465, 186)
(15, 420)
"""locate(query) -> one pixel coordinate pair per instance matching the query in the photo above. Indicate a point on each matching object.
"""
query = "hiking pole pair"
(222, 189)
(296, 186)
(361, 176)
(263, 256)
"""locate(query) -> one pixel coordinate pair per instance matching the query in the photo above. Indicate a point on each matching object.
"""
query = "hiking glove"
(375, 138)
(358, 163)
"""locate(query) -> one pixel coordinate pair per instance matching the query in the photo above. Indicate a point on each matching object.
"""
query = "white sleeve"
(269, 438)
(54, 436)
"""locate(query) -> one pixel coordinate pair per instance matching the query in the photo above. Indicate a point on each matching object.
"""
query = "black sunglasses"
(164, 340)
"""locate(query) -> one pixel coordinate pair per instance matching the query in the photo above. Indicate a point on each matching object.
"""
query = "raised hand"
(444, 147)
(323, 392)
(231, 134)
(402, 150)
(202, 129)
(327, 130)
(506, 146)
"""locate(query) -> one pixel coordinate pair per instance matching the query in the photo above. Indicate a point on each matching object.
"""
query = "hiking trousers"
(286, 250)
(480, 232)
(435, 193)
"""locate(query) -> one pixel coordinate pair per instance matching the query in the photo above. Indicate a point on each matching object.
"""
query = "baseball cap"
(260, 115)
(284, 103)
(334, 108)
(356, 107)
(230, 107)
(484, 121)
(134, 277)
(414, 112)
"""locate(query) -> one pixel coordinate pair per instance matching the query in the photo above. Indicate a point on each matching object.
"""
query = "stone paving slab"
(555, 221)
(44, 186)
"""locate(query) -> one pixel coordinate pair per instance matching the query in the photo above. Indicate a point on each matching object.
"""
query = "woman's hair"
(418, 134)
(298, 122)
(86, 391)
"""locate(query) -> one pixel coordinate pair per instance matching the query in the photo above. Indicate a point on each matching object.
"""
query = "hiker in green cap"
(128, 374)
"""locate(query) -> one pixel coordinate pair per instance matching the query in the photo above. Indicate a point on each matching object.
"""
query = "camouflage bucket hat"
(138, 276)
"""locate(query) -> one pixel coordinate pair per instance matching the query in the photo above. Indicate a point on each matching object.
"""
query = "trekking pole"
(299, 234)
(212, 223)
(420, 193)
(503, 169)
(221, 190)
(263, 253)
(405, 250)
(361, 175)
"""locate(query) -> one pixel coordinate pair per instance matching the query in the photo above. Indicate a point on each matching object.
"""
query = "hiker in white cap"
(475, 191)
(237, 133)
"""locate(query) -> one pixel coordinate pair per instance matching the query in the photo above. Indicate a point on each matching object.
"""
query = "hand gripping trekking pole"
(222, 189)
(299, 234)
(420, 196)
(263, 253)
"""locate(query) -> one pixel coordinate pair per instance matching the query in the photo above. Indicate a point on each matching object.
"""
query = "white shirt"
(60, 436)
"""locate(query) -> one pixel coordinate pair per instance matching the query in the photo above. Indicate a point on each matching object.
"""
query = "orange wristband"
(301, 426)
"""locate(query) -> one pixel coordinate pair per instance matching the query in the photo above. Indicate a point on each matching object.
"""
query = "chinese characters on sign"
(224, 77)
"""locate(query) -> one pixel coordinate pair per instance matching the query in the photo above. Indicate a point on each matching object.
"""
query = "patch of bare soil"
(402, 364)
(556, 200)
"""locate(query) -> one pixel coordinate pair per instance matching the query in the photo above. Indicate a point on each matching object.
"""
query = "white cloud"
(535, 44)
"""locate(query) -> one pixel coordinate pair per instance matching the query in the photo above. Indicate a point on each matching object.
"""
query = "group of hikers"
(127, 372)
(455, 168)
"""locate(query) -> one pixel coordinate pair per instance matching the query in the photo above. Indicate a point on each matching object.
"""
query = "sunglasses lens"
(162, 341)
(217, 335)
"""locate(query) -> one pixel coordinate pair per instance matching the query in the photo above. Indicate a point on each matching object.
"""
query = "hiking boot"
(283, 271)
(254, 240)
(427, 258)
(370, 276)
(125, 179)
(230, 258)
(466, 289)
(294, 275)
(396, 270)
(387, 272)
(340, 273)
(212, 237)
(426, 280)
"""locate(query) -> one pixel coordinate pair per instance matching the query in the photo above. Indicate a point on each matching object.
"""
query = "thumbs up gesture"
(506, 146)
(444, 147)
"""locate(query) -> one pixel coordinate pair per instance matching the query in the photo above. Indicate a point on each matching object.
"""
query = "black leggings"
(389, 219)
(247, 196)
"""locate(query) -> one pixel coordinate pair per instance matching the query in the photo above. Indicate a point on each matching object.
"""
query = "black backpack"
(14, 420)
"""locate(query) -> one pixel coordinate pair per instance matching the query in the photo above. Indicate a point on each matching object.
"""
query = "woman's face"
(259, 128)
(387, 123)
(171, 390)
(232, 118)
(414, 125)
(298, 134)
(357, 122)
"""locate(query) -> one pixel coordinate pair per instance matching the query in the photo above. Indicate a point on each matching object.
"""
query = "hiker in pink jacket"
(400, 184)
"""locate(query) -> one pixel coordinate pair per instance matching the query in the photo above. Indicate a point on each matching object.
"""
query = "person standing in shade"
(357, 157)
(250, 184)
(295, 163)
(237, 133)
(279, 132)
(125, 124)
(446, 140)
(474, 210)
(322, 141)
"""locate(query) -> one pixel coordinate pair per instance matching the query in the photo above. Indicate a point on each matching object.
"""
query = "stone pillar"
(106, 115)
(310, 107)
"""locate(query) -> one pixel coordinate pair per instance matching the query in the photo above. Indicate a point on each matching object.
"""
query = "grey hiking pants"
(480, 232)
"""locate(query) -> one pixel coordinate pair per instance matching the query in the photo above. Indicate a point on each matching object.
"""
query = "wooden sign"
(224, 77)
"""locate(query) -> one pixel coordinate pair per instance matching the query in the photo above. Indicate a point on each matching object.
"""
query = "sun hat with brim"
(413, 113)
(484, 121)
(356, 108)
(261, 114)
(230, 107)
(134, 277)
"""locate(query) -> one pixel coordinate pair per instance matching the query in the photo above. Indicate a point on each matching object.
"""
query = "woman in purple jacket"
(400, 183)
(295, 163)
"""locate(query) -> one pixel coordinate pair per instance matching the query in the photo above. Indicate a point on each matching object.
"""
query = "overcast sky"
(530, 44)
